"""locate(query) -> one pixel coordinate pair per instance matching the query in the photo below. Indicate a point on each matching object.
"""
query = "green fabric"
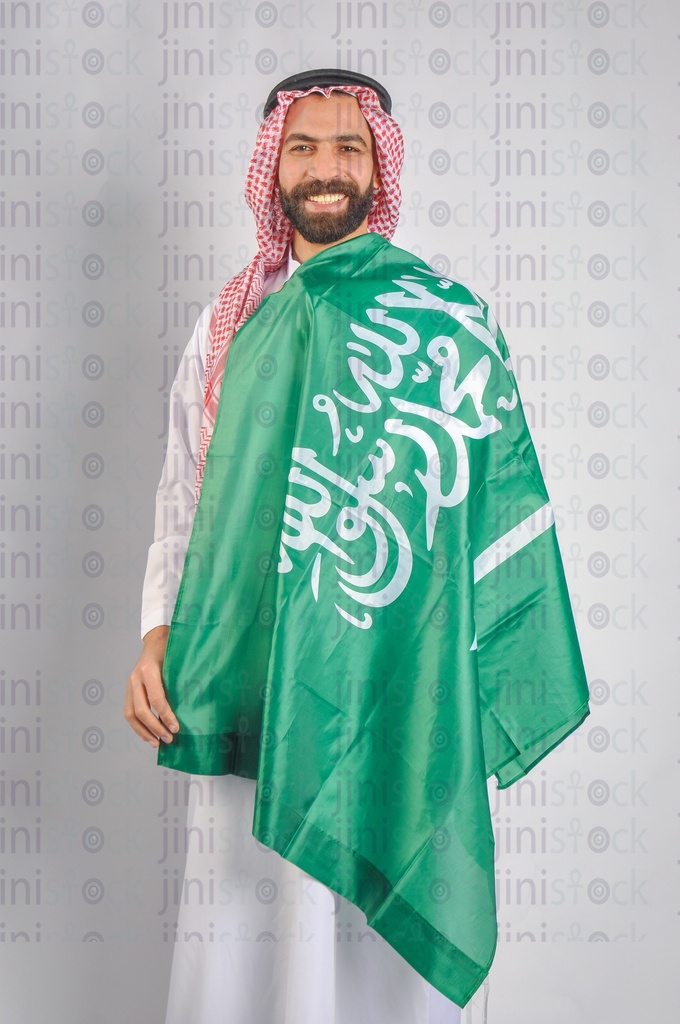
(373, 616)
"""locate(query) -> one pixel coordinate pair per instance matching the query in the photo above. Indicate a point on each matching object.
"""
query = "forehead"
(322, 117)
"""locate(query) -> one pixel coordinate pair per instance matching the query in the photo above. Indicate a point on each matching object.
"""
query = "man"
(372, 616)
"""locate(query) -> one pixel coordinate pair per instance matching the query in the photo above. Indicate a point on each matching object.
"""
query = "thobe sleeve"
(175, 499)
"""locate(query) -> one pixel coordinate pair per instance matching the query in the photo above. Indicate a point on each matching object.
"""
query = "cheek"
(286, 176)
(360, 169)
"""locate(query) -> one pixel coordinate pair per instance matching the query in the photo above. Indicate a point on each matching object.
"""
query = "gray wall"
(541, 169)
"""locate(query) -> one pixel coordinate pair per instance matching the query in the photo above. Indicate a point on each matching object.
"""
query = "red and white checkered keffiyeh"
(241, 296)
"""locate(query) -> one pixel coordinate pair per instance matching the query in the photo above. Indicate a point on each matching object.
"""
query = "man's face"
(327, 172)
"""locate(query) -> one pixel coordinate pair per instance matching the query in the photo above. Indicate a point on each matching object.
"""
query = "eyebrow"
(345, 137)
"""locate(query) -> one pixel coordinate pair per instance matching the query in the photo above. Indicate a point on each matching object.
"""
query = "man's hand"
(146, 695)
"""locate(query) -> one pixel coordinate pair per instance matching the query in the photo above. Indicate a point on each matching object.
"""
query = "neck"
(304, 250)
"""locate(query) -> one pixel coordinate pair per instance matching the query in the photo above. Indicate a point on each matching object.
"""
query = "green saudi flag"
(373, 616)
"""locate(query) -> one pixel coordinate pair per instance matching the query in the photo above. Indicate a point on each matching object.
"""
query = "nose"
(324, 164)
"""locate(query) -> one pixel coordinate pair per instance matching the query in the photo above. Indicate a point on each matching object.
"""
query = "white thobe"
(258, 941)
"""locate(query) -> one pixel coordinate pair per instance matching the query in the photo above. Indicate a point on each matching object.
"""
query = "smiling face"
(327, 171)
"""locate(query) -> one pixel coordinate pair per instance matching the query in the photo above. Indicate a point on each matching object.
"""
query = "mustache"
(307, 189)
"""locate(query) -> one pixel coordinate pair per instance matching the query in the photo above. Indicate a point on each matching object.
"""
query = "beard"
(324, 228)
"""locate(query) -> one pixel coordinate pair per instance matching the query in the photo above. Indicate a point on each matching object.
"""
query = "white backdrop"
(541, 169)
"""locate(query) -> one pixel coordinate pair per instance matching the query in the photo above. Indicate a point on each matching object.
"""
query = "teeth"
(327, 198)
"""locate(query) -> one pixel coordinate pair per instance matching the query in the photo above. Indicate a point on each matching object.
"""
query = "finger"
(159, 702)
(144, 733)
(145, 716)
(140, 729)
(152, 682)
